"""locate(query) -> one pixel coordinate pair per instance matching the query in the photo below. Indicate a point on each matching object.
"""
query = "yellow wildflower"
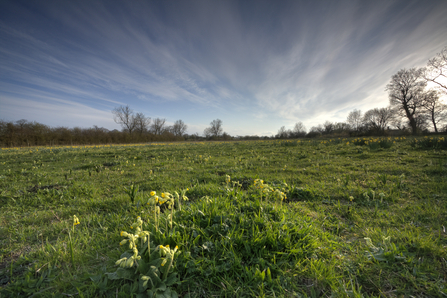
(75, 220)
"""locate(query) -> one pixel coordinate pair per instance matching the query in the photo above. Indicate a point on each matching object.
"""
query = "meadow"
(362, 217)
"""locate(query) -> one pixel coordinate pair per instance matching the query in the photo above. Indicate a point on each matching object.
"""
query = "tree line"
(144, 126)
(31, 133)
(412, 108)
(136, 128)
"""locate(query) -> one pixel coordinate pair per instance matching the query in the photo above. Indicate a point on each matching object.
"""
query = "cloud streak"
(254, 64)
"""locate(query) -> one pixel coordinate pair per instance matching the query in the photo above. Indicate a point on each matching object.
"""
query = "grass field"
(318, 218)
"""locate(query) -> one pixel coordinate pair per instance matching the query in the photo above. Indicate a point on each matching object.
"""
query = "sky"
(256, 65)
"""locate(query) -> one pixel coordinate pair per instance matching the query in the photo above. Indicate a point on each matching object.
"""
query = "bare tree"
(436, 111)
(328, 127)
(377, 119)
(341, 127)
(317, 129)
(398, 120)
(142, 123)
(179, 128)
(436, 70)
(158, 126)
(299, 130)
(406, 93)
(282, 133)
(355, 120)
(215, 130)
(124, 116)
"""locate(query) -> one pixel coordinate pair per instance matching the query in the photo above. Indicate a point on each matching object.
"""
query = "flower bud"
(129, 262)
(120, 261)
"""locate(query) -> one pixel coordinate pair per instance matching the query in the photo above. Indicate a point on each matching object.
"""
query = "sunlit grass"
(301, 231)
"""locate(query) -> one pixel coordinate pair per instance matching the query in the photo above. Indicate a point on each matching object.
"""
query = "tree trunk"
(434, 122)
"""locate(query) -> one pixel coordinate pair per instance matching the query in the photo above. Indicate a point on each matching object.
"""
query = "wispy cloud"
(257, 64)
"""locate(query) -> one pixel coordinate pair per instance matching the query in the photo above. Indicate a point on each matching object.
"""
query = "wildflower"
(120, 261)
(75, 220)
(153, 193)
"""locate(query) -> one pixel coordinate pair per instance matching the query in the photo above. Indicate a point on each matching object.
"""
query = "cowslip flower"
(75, 220)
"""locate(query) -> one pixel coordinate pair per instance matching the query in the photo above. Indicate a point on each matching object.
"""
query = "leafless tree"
(436, 111)
(377, 119)
(355, 120)
(436, 70)
(341, 128)
(328, 127)
(179, 128)
(317, 129)
(299, 130)
(142, 123)
(398, 119)
(282, 133)
(158, 126)
(406, 93)
(215, 130)
(124, 116)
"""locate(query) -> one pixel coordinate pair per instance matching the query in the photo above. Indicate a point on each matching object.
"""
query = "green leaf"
(113, 275)
(126, 273)
(153, 274)
(162, 286)
(167, 293)
(155, 255)
(143, 267)
(194, 242)
(155, 263)
(135, 287)
(172, 279)
(269, 275)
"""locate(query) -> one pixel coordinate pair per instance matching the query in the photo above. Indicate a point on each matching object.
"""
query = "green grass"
(232, 241)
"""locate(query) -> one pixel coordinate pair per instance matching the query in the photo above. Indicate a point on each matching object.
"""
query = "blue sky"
(256, 65)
